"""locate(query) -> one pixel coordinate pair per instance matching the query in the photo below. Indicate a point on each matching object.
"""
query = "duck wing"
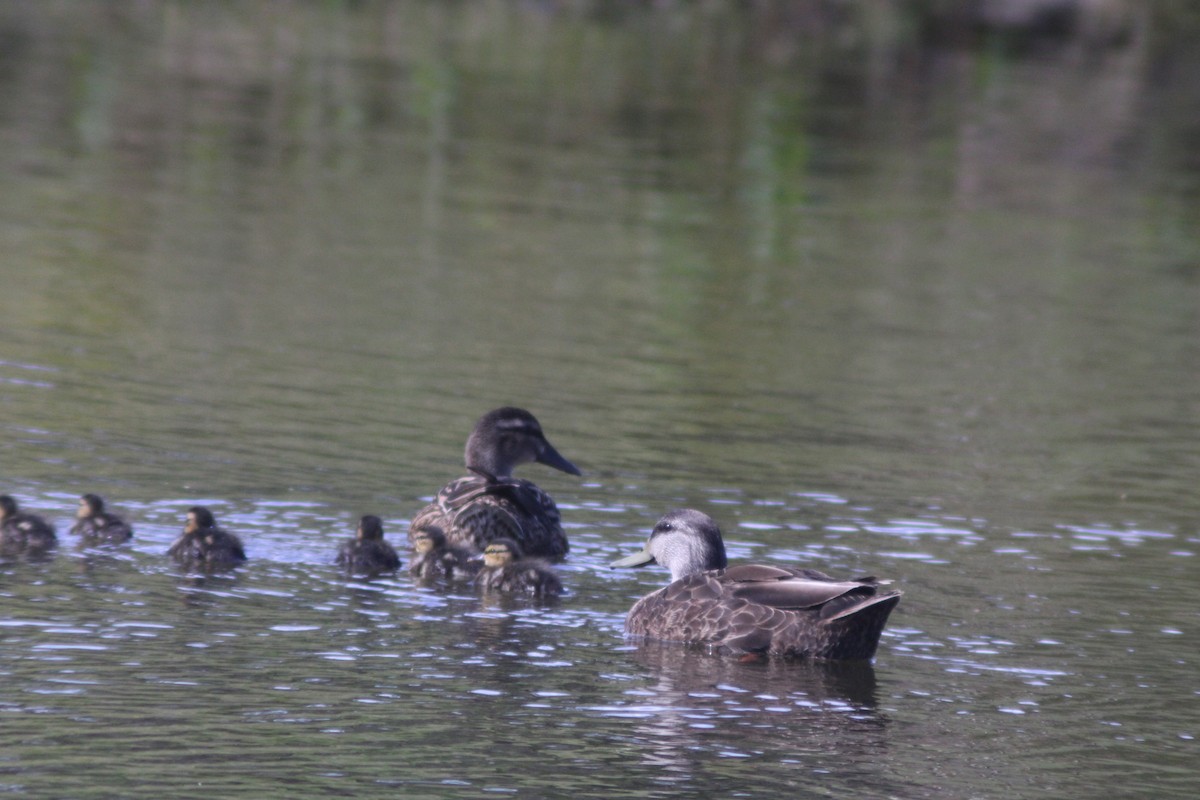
(798, 593)
(795, 589)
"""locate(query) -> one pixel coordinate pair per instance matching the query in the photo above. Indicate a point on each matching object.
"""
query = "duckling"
(367, 553)
(22, 532)
(751, 608)
(96, 526)
(506, 570)
(432, 558)
(205, 545)
(490, 503)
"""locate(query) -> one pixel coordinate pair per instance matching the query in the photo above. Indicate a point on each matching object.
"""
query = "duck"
(506, 570)
(433, 559)
(367, 552)
(96, 526)
(751, 609)
(21, 531)
(490, 503)
(205, 545)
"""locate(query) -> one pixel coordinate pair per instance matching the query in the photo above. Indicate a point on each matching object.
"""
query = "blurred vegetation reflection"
(909, 287)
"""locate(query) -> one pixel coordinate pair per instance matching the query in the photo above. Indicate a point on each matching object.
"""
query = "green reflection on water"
(287, 254)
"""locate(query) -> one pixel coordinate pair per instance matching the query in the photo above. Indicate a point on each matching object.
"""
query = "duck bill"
(552, 458)
(639, 559)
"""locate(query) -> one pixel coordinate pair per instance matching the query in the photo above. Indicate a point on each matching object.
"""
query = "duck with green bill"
(752, 608)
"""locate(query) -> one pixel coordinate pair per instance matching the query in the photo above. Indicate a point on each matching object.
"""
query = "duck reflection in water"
(367, 553)
(693, 705)
(205, 546)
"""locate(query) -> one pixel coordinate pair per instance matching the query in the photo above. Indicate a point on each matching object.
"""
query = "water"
(876, 298)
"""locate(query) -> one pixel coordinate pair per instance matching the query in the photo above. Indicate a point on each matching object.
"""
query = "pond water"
(881, 292)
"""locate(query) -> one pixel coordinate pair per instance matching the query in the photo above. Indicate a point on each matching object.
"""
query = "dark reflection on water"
(694, 711)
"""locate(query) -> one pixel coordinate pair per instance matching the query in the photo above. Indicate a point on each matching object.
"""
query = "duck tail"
(877, 604)
(854, 631)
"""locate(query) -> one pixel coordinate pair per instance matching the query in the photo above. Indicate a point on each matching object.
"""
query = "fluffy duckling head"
(500, 552)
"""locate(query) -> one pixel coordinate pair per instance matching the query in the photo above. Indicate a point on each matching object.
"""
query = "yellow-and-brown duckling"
(21, 532)
(95, 526)
(751, 608)
(367, 553)
(432, 559)
(490, 503)
(204, 545)
(505, 570)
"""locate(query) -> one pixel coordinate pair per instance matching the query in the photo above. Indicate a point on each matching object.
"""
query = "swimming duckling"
(96, 526)
(367, 553)
(490, 503)
(22, 532)
(433, 559)
(751, 608)
(205, 545)
(505, 570)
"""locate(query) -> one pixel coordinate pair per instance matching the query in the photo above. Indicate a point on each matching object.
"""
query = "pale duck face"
(684, 541)
(499, 553)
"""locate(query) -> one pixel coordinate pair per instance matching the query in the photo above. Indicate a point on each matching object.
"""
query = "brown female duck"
(95, 526)
(367, 553)
(204, 545)
(490, 503)
(751, 608)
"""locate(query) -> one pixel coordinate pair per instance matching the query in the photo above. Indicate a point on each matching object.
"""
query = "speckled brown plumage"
(752, 608)
(758, 609)
(473, 511)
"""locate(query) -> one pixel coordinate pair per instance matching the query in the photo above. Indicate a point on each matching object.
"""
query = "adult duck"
(21, 531)
(367, 553)
(490, 503)
(751, 608)
(95, 526)
(205, 545)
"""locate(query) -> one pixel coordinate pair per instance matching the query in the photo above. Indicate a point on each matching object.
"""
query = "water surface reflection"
(880, 288)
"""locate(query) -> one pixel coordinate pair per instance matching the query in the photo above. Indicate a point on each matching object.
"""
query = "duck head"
(89, 506)
(500, 552)
(426, 540)
(370, 528)
(199, 518)
(507, 437)
(684, 541)
(8, 507)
